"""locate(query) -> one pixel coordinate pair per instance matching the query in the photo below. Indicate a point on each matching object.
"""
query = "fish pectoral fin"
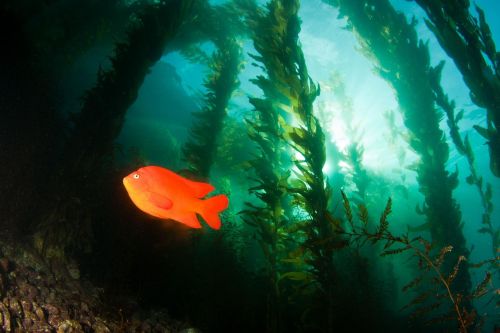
(160, 201)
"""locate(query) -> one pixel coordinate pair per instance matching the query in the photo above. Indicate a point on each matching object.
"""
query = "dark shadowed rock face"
(36, 296)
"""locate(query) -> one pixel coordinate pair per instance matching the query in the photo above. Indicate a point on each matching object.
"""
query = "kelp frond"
(293, 95)
(221, 82)
(415, 96)
(468, 41)
(353, 154)
(433, 284)
(265, 127)
(87, 152)
(464, 148)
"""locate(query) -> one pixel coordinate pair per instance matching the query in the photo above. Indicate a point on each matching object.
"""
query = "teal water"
(287, 258)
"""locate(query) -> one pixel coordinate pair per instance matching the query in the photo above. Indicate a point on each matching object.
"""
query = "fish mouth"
(126, 182)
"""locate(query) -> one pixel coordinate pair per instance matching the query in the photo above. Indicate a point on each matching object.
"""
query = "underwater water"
(250, 166)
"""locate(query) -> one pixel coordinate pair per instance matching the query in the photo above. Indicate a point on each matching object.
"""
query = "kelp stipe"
(270, 165)
(90, 144)
(221, 82)
(470, 44)
(436, 299)
(464, 148)
(285, 64)
(375, 22)
(353, 154)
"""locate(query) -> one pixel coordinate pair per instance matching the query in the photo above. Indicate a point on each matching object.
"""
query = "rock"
(16, 307)
(36, 298)
(26, 305)
(54, 320)
(6, 323)
(100, 327)
(4, 265)
(69, 326)
(190, 330)
(27, 324)
(74, 272)
(39, 312)
(2, 286)
(51, 309)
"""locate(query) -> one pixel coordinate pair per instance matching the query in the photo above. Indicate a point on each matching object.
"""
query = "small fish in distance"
(164, 194)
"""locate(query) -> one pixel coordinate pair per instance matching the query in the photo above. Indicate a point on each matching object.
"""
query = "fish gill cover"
(323, 160)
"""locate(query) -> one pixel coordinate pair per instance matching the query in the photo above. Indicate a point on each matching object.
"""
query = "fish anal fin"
(160, 201)
(199, 189)
(190, 220)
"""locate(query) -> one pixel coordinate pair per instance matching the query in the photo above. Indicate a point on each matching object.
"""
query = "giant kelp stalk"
(62, 31)
(213, 23)
(269, 219)
(353, 155)
(265, 129)
(470, 44)
(403, 61)
(220, 83)
(91, 141)
(464, 148)
(283, 60)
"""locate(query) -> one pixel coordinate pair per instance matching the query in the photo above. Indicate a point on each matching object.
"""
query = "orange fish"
(166, 195)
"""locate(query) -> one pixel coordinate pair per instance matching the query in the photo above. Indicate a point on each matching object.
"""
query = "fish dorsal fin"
(199, 189)
(160, 201)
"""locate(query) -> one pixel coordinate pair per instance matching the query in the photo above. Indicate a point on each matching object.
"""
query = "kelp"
(221, 82)
(436, 299)
(468, 41)
(464, 148)
(213, 23)
(293, 95)
(403, 61)
(90, 145)
(353, 154)
(270, 220)
(62, 31)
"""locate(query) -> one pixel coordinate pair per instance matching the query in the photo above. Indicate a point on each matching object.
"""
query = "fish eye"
(136, 176)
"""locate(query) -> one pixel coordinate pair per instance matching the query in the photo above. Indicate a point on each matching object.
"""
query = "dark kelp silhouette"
(317, 276)
(91, 141)
(436, 300)
(220, 83)
(470, 44)
(389, 40)
(464, 148)
(268, 26)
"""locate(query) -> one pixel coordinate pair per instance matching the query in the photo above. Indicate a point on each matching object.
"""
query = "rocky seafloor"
(37, 296)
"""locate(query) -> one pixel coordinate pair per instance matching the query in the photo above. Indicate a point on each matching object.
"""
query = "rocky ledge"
(37, 296)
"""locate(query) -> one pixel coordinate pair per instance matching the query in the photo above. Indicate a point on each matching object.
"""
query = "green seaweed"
(464, 148)
(469, 43)
(90, 144)
(437, 299)
(403, 61)
(353, 154)
(293, 95)
(220, 83)
(266, 130)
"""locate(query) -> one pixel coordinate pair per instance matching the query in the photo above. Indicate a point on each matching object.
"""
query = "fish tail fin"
(211, 209)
